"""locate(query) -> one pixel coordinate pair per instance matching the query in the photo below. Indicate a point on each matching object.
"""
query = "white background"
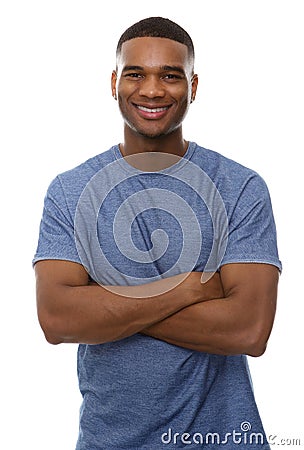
(57, 110)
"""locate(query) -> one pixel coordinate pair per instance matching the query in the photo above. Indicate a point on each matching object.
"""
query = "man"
(124, 241)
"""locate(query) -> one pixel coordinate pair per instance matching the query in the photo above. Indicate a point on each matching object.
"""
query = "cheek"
(181, 95)
(125, 89)
(184, 99)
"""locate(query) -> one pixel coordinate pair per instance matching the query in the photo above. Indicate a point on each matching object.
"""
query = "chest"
(146, 227)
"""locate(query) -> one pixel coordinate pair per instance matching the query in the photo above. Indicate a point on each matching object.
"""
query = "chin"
(148, 133)
(153, 134)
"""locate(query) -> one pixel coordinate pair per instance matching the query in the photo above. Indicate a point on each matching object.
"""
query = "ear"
(113, 84)
(194, 83)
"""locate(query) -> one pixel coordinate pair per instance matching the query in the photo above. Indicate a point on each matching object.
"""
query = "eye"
(172, 77)
(133, 75)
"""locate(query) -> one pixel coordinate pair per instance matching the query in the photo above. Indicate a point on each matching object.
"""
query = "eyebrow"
(165, 68)
(173, 69)
(128, 68)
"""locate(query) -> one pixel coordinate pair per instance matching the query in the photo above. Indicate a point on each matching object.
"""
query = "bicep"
(252, 288)
(61, 272)
(52, 277)
(249, 281)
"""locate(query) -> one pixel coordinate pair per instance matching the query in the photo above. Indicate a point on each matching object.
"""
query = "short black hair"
(157, 27)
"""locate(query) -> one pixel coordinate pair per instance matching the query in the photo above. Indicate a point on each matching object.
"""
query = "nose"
(151, 87)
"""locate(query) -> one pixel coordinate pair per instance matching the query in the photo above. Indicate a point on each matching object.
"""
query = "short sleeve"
(56, 235)
(252, 231)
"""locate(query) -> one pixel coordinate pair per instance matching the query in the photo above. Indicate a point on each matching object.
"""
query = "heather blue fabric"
(142, 393)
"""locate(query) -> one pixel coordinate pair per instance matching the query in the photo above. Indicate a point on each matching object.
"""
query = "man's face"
(154, 84)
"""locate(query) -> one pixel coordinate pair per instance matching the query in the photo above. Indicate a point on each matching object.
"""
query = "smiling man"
(154, 95)
(159, 258)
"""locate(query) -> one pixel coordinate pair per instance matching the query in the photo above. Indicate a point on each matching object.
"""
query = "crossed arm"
(232, 313)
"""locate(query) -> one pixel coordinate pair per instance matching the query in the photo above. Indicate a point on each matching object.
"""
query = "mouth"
(152, 112)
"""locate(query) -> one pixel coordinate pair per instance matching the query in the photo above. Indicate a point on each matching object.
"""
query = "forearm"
(206, 327)
(238, 323)
(94, 314)
(97, 315)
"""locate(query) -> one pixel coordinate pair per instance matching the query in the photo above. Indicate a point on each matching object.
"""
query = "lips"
(152, 112)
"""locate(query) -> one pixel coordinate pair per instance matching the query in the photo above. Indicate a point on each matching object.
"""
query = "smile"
(152, 113)
(152, 110)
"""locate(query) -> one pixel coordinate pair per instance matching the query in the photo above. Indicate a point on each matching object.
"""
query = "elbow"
(256, 342)
(52, 339)
(256, 350)
(49, 328)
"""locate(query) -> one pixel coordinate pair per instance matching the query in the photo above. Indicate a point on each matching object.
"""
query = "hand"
(195, 286)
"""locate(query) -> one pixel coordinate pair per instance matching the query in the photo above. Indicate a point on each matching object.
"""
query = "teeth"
(152, 110)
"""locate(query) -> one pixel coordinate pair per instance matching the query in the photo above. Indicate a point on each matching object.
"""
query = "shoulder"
(73, 181)
(216, 164)
(86, 170)
(230, 177)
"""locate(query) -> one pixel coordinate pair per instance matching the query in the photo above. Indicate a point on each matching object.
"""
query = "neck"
(172, 143)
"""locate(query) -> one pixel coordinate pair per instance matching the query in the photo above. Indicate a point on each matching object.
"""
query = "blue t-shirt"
(127, 227)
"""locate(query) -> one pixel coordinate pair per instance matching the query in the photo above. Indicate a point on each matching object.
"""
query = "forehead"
(153, 52)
